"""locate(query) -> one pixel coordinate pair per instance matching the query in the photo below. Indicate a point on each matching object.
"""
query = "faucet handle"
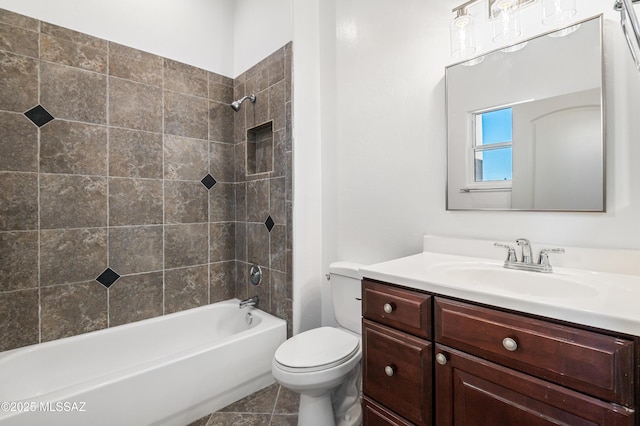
(511, 252)
(543, 258)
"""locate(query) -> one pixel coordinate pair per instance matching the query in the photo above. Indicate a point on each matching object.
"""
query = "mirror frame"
(600, 19)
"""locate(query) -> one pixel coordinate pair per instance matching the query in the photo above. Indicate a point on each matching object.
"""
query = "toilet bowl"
(316, 363)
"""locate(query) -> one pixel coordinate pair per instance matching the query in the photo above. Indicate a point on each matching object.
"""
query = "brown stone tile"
(221, 158)
(186, 115)
(262, 290)
(222, 241)
(134, 249)
(18, 143)
(222, 281)
(134, 298)
(241, 162)
(185, 202)
(72, 309)
(186, 79)
(257, 244)
(258, 200)
(186, 245)
(19, 202)
(132, 64)
(186, 288)
(65, 51)
(18, 40)
(73, 94)
(221, 117)
(239, 125)
(135, 105)
(258, 77)
(73, 36)
(275, 63)
(277, 109)
(242, 280)
(135, 154)
(69, 201)
(135, 201)
(185, 158)
(220, 88)
(288, 402)
(277, 200)
(261, 401)
(278, 294)
(18, 82)
(18, 319)
(222, 198)
(288, 69)
(284, 420)
(289, 225)
(238, 419)
(241, 202)
(241, 241)
(73, 148)
(288, 128)
(19, 266)
(277, 242)
(72, 255)
(18, 20)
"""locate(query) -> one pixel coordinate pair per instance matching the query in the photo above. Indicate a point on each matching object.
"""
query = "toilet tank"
(346, 294)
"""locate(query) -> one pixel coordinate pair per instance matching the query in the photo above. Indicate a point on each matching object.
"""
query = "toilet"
(324, 363)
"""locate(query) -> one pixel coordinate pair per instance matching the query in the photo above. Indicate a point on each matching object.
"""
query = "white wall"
(196, 32)
(260, 28)
(390, 138)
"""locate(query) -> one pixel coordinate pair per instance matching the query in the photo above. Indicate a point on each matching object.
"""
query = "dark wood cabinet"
(429, 359)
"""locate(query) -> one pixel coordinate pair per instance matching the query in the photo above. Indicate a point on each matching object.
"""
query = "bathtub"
(169, 370)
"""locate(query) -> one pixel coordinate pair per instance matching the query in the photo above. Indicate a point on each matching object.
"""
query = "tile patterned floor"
(271, 406)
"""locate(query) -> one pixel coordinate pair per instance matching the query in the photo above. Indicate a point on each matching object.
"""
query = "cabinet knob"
(510, 344)
(389, 370)
(441, 359)
(388, 308)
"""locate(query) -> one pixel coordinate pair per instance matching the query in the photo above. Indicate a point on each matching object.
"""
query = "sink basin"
(496, 278)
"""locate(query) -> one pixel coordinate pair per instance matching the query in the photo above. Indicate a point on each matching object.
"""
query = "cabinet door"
(397, 372)
(377, 415)
(474, 392)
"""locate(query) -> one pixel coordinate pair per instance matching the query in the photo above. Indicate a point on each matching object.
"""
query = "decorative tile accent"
(208, 181)
(38, 115)
(269, 223)
(108, 277)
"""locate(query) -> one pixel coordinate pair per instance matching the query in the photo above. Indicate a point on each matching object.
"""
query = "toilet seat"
(315, 350)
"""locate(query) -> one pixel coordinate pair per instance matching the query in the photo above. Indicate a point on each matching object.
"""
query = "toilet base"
(316, 410)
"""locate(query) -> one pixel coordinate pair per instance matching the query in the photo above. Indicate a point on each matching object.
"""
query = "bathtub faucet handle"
(252, 301)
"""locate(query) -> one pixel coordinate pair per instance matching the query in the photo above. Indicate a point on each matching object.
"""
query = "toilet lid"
(317, 347)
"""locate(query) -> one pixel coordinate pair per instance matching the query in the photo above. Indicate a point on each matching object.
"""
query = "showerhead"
(236, 104)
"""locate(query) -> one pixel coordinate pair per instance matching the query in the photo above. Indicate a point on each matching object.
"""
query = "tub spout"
(252, 301)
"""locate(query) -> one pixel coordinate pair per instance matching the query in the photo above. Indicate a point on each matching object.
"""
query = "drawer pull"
(390, 370)
(510, 344)
(388, 308)
(441, 359)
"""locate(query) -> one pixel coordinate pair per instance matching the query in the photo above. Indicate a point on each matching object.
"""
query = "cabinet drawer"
(590, 362)
(377, 415)
(475, 392)
(405, 310)
(397, 371)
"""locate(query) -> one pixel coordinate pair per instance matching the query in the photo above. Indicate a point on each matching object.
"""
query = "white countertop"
(611, 300)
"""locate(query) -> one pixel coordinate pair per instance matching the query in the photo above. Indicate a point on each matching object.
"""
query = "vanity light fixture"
(630, 27)
(462, 34)
(505, 17)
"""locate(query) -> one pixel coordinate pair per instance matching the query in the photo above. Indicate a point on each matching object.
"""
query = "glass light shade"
(463, 42)
(557, 11)
(506, 21)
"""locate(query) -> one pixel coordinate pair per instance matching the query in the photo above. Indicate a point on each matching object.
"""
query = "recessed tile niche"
(260, 149)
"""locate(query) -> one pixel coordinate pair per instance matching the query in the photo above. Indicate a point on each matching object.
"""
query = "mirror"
(525, 125)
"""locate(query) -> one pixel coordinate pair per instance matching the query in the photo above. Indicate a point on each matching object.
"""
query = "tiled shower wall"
(119, 172)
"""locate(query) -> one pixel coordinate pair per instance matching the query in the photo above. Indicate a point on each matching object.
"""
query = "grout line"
(108, 117)
(39, 274)
(164, 210)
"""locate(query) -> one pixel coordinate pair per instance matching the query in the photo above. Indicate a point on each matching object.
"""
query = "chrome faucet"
(526, 263)
(252, 301)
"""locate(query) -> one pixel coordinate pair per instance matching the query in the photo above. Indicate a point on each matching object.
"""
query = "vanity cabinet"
(488, 366)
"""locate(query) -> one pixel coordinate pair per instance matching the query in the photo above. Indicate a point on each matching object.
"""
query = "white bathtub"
(168, 370)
